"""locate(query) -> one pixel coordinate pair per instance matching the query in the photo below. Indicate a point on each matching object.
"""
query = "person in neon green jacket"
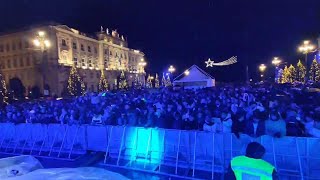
(252, 166)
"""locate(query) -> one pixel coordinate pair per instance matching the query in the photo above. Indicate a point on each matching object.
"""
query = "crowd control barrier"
(180, 153)
(53, 140)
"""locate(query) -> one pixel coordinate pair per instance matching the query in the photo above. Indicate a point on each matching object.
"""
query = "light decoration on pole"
(42, 43)
(103, 83)
(142, 64)
(306, 48)
(276, 62)
(136, 83)
(262, 69)
(227, 62)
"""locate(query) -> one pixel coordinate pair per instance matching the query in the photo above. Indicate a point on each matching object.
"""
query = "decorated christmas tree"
(314, 71)
(168, 81)
(300, 72)
(103, 83)
(156, 82)
(136, 83)
(3, 90)
(123, 84)
(163, 80)
(76, 86)
(285, 75)
(292, 73)
(149, 82)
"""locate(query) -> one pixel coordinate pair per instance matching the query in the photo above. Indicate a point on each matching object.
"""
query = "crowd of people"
(256, 111)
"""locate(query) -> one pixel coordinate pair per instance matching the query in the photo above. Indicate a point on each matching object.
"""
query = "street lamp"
(262, 69)
(186, 72)
(276, 62)
(171, 69)
(43, 44)
(306, 48)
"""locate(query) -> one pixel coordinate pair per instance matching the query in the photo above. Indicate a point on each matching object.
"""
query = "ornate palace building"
(43, 57)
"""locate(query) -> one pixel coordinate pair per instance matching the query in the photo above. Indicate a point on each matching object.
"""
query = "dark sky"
(185, 32)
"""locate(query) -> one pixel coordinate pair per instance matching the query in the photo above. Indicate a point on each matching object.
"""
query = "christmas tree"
(103, 83)
(136, 83)
(314, 71)
(163, 80)
(156, 82)
(168, 81)
(76, 86)
(3, 90)
(123, 84)
(149, 82)
(292, 72)
(300, 72)
(285, 75)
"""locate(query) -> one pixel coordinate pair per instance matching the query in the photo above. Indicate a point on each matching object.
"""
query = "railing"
(188, 154)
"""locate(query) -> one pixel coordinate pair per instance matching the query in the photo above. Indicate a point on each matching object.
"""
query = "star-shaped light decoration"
(209, 63)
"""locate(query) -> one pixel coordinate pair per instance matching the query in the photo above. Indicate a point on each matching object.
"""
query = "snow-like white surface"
(83, 173)
(29, 168)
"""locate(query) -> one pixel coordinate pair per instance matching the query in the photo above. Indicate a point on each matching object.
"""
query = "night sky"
(185, 32)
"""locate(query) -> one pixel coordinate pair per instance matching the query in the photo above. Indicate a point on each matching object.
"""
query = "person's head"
(274, 115)
(255, 150)
(258, 116)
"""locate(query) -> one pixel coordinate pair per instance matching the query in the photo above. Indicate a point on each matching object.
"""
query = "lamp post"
(43, 44)
(262, 69)
(276, 62)
(141, 65)
(306, 48)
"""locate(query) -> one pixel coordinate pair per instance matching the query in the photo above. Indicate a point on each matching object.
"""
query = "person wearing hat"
(251, 165)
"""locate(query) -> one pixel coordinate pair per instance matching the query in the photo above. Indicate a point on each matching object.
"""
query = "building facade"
(48, 66)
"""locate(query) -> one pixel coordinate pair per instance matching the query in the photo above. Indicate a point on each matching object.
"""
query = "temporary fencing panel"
(166, 151)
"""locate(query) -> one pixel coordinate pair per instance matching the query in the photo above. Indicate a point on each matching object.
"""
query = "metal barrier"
(178, 153)
(52, 141)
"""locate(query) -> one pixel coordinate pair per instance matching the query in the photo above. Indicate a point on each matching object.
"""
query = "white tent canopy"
(194, 78)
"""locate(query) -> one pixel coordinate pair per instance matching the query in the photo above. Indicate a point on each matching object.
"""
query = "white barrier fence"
(166, 151)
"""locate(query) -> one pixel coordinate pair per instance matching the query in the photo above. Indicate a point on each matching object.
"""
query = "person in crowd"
(275, 125)
(256, 126)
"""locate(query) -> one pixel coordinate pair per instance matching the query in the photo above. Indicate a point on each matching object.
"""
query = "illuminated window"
(91, 75)
(82, 47)
(13, 46)
(63, 42)
(95, 50)
(74, 45)
(98, 75)
(106, 51)
(89, 49)
(110, 53)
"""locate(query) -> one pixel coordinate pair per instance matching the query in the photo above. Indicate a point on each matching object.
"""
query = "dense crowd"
(256, 111)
